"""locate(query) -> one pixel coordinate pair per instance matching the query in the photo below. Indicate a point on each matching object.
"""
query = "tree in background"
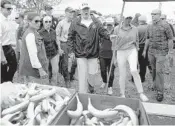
(37, 5)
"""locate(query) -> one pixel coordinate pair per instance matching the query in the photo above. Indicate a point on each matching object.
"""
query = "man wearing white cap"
(160, 41)
(83, 39)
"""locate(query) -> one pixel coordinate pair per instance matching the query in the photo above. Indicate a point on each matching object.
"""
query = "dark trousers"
(105, 67)
(8, 70)
(63, 63)
(143, 62)
(73, 68)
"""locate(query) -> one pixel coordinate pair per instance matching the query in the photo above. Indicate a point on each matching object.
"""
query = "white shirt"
(86, 22)
(62, 30)
(32, 50)
(5, 31)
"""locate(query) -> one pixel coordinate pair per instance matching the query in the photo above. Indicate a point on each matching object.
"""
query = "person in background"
(49, 37)
(83, 40)
(19, 20)
(105, 57)
(62, 35)
(160, 41)
(143, 61)
(48, 10)
(33, 60)
(43, 14)
(126, 42)
(135, 20)
(8, 68)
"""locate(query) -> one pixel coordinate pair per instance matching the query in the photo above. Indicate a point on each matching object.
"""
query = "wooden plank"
(159, 109)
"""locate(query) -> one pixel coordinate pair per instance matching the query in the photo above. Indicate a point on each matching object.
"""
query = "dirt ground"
(131, 92)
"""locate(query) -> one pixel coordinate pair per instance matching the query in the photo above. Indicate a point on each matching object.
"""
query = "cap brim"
(85, 7)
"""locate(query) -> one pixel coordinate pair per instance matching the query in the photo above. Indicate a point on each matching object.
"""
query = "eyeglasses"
(154, 14)
(8, 8)
(37, 21)
(162, 18)
(17, 18)
(48, 21)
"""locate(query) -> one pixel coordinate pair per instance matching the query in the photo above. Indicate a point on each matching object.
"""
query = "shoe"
(143, 80)
(91, 88)
(67, 83)
(122, 96)
(110, 92)
(103, 85)
(143, 97)
(159, 97)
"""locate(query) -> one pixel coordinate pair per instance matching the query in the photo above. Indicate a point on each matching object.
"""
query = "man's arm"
(147, 42)
(58, 34)
(169, 34)
(71, 38)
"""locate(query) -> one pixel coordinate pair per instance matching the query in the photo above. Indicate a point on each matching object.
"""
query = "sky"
(115, 7)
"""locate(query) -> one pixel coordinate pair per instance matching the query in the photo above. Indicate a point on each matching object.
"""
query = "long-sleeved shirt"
(5, 33)
(32, 50)
(83, 40)
(127, 39)
(62, 30)
(159, 34)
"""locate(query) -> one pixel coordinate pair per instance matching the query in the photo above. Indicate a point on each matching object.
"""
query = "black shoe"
(143, 80)
(159, 97)
(91, 88)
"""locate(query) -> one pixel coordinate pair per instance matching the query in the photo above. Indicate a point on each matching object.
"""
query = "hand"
(72, 56)
(4, 61)
(43, 74)
(113, 37)
(144, 54)
(61, 52)
(170, 56)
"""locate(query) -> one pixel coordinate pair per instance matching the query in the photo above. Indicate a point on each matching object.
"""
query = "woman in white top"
(33, 60)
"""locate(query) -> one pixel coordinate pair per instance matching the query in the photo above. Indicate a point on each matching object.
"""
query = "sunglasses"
(17, 18)
(37, 21)
(9, 8)
(48, 21)
(154, 14)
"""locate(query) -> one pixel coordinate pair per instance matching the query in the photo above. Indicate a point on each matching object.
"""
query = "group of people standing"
(44, 46)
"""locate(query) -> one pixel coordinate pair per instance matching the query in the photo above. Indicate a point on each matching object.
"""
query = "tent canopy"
(147, 0)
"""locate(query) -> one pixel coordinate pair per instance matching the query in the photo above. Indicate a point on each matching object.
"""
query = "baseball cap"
(84, 5)
(109, 20)
(69, 9)
(48, 7)
(142, 18)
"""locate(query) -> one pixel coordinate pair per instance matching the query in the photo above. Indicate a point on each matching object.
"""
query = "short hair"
(32, 15)
(3, 2)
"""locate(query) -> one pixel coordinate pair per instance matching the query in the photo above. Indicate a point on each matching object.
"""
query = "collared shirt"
(158, 34)
(127, 39)
(5, 33)
(49, 39)
(142, 34)
(62, 30)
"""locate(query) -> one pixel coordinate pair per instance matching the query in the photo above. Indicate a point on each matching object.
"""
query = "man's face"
(127, 20)
(47, 22)
(85, 12)
(155, 16)
(18, 19)
(49, 12)
(70, 15)
(7, 9)
(109, 26)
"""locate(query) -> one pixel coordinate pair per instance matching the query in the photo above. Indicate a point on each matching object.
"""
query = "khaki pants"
(86, 69)
(54, 64)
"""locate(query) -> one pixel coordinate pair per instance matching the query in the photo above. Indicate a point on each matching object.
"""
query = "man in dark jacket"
(83, 40)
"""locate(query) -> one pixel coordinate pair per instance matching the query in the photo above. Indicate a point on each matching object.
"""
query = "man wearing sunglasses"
(7, 70)
(49, 36)
(160, 41)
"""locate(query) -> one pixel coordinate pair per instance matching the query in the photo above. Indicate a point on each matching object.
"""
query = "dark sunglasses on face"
(154, 13)
(37, 21)
(48, 21)
(17, 18)
(9, 8)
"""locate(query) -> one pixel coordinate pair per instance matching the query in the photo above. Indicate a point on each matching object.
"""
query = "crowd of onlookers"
(45, 45)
